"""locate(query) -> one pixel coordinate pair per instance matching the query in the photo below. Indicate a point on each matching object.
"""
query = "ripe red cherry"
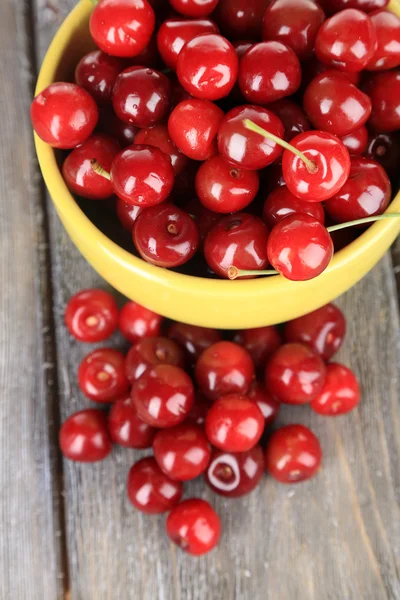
(150, 352)
(260, 343)
(387, 54)
(91, 315)
(194, 8)
(182, 452)
(153, 175)
(208, 66)
(163, 396)
(84, 436)
(223, 188)
(293, 454)
(127, 214)
(238, 240)
(340, 393)
(193, 127)
(166, 236)
(122, 27)
(101, 375)
(281, 203)
(158, 136)
(295, 374)
(77, 170)
(244, 148)
(137, 322)
(224, 368)
(384, 91)
(64, 115)
(347, 41)
(334, 104)
(269, 71)
(323, 330)
(123, 132)
(268, 405)
(194, 526)
(234, 423)
(241, 19)
(175, 33)
(384, 148)
(126, 428)
(356, 142)
(366, 193)
(141, 96)
(96, 73)
(292, 116)
(295, 23)
(149, 490)
(235, 474)
(194, 340)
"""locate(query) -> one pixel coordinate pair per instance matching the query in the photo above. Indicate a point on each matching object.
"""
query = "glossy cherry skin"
(166, 236)
(295, 374)
(260, 343)
(269, 71)
(127, 214)
(356, 142)
(97, 72)
(384, 91)
(175, 33)
(194, 526)
(194, 340)
(299, 247)
(163, 396)
(331, 159)
(126, 428)
(293, 454)
(122, 27)
(335, 105)
(194, 8)
(91, 315)
(347, 41)
(137, 322)
(268, 405)
(193, 126)
(241, 19)
(150, 352)
(84, 437)
(387, 54)
(238, 240)
(223, 188)
(205, 219)
(235, 474)
(384, 148)
(150, 490)
(323, 330)
(333, 6)
(158, 136)
(281, 203)
(101, 375)
(77, 168)
(208, 66)
(244, 148)
(64, 115)
(153, 175)
(292, 116)
(340, 393)
(367, 192)
(141, 96)
(294, 23)
(123, 132)
(224, 368)
(234, 423)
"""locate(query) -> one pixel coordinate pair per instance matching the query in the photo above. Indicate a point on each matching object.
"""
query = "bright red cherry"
(268, 405)
(295, 374)
(123, 132)
(141, 96)
(205, 219)
(77, 170)
(84, 436)
(333, 6)
(126, 428)
(235, 474)
(137, 322)
(356, 142)
(269, 71)
(208, 66)
(158, 136)
(122, 27)
(150, 352)
(340, 393)
(175, 33)
(163, 396)
(238, 240)
(194, 8)
(194, 526)
(101, 375)
(281, 203)
(234, 423)
(241, 19)
(323, 330)
(387, 54)
(384, 91)
(91, 315)
(127, 214)
(294, 23)
(293, 454)
(193, 127)
(292, 116)
(96, 73)
(384, 148)
(166, 236)
(366, 193)
(149, 490)
(64, 115)
(194, 340)
(260, 343)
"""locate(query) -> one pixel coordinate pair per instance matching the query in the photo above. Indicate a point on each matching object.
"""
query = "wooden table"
(67, 530)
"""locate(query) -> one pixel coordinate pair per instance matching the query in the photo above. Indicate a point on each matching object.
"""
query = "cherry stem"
(97, 168)
(362, 221)
(251, 126)
(234, 273)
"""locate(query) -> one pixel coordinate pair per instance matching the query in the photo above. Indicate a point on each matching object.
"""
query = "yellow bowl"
(206, 302)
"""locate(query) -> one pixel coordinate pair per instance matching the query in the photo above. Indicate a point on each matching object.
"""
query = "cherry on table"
(84, 436)
(241, 19)
(97, 72)
(150, 490)
(150, 352)
(268, 405)
(119, 130)
(281, 203)
(127, 214)
(387, 54)
(137, 322)
(194, 8)
(158, 136)
(175, 33)
(384, 91)
(125, 426)
(260, 343)
(340, 393)
(235, 474)
(193, 339)
(91, 315)
(356, 142)
(101, 375)
(384, 148)
(194, 526)
(292, 116)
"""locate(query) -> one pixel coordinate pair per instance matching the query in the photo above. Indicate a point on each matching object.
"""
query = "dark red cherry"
(199, 410)
(91, 315)
(333, 6)
(260, 342)
(313, 67)
(125, 426)
(194, 526)
(356, 142)
(241, 19)
(158, 136)
(185, 183)
(127, 214)
(194, 340)
(175, 33)
(148, 57)
(84, 436)
(387, 54)
(235, 474)
(384, 148)
(340, 393)
(150, 352)
(194, 8)
(137, 322)
(385, 115)
(281, 203)
(292, 116)
(241, 47)
(96, 73)
(179, 94)
(205, 219)
(123, 132)
(268, 405)
(150, 490)
(101, 375)
(273, 178)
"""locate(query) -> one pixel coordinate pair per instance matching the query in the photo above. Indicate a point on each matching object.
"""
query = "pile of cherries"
(204, 404)
(183, 110)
